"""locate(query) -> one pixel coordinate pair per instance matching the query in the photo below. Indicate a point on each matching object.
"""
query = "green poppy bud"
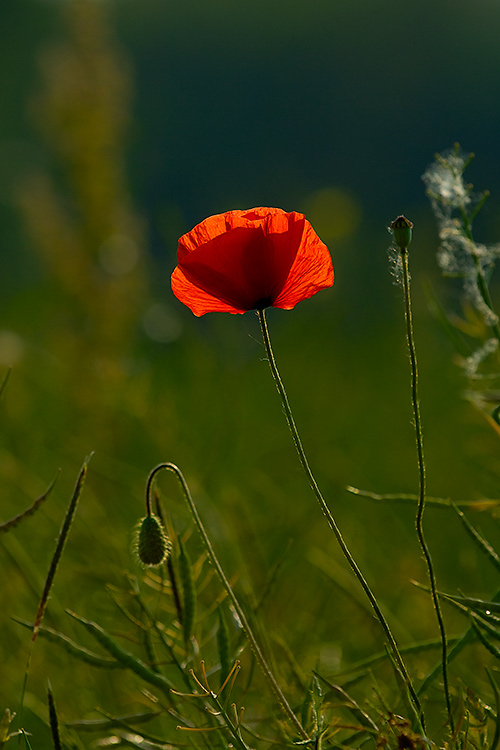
(152, 544)
(401, 230)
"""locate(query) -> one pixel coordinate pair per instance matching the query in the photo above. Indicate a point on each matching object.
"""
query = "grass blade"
(456, 647)
(5, 381)
(54, 722)
(483, 545)
(223, 646)
(72, 648)
(61, 542)
(489, 646)
(349, 703)
(407, 498)
(188, 592)
(7, 525)
(63, 535)
(93, 725)
(125, 657)
(496, 737)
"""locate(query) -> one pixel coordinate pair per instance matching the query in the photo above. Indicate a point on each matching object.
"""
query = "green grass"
(220, 419)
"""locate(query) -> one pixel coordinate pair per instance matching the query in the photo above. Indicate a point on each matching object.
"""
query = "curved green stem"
(422, 481)
(398, 659)
(261, 660)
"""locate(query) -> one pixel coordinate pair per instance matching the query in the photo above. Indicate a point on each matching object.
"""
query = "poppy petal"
(244, 260)
(311, 271)
(198, 301)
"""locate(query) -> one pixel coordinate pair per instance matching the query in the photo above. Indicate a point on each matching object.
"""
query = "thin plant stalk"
(398, 659)
(8, 525)
(54, 721)
(422, 479)
(61, 543)
(234, 601)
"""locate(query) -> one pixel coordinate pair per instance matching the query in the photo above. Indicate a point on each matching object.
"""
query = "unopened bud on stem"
(151, 543)
(401, 230)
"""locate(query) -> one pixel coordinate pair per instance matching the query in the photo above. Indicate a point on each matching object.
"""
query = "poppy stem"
(422, 481)
(257, 651)
(398, 659)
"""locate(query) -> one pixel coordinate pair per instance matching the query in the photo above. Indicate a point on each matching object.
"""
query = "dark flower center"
(263, 303)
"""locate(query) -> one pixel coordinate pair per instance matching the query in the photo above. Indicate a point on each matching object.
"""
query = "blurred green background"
(124, 124)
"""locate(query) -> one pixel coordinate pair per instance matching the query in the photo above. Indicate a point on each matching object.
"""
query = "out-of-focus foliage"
(80, 219)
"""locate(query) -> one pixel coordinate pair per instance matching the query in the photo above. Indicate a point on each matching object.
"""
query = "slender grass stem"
(422, 480)
(54, 720)
(259, 656)
(398, 659)
(61, 543)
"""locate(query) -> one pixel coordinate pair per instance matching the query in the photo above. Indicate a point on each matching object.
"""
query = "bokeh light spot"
(161, 324)
(334, 213)
(118, 255)
(11, 348)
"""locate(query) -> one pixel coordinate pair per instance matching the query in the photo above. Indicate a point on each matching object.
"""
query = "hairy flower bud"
(152, 545)
(401, 230)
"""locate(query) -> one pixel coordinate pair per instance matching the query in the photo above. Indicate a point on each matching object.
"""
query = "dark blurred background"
(301, 105)
(123, 125)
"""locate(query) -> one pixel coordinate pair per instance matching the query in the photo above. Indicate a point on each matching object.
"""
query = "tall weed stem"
(261, 660)
(398, 659)
(422, 478)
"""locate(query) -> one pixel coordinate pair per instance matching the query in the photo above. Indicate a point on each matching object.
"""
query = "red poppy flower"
(249, 260)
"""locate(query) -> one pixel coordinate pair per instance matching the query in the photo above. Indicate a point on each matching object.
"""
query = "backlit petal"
(311, 271)
(198, 301)
(243, 260)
